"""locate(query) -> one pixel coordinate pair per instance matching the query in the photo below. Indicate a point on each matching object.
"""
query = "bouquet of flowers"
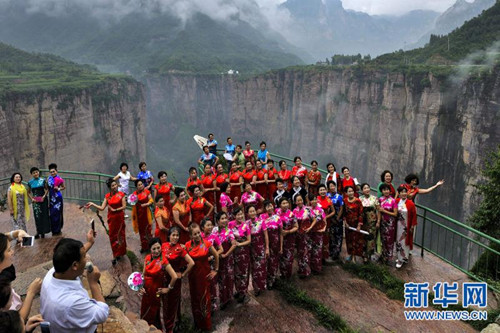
(136, 281)
(132, 199)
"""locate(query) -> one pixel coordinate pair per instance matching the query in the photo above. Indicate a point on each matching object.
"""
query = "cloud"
(396, 7)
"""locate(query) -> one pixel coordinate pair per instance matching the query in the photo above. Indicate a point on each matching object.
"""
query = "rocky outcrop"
(369, 120)
(87, 129)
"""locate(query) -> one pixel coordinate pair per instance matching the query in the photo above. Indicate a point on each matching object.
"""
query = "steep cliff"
(87, 129)
(367, 120)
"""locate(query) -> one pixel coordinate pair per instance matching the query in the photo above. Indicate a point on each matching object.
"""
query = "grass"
(326, 317)
(381, 278)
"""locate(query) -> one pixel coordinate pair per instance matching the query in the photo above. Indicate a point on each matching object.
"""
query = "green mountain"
(474, 35)
(154, 42)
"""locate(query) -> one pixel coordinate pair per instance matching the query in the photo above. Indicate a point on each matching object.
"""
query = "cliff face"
(90, 129)
(369, 121)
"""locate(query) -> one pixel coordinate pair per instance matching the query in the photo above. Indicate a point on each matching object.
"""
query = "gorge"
(369, 120)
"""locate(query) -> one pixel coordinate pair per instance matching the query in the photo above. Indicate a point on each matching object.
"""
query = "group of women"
(224, 229)
(46, 197)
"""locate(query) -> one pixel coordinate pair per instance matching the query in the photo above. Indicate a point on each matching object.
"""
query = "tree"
(487, 217)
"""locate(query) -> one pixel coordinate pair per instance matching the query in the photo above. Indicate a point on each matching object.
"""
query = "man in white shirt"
(63, 300)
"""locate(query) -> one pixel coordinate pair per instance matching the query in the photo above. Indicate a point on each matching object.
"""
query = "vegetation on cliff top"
(22, 71)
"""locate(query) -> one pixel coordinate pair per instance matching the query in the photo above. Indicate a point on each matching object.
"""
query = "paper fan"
(132, 199)
(136, 281)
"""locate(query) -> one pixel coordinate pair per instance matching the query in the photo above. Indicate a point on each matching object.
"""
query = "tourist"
(198, 205)
(306, 221)
(209, 187)
(386, 177)
(317, 233)
(239, 158)
(347, 181)
(182, 215)
(116, 202)
(211, 234)
(332, 175)
(259, 179)
(153, 293)
(17, 199)
(124, 177)
(146, 176)
(412, 183)
(249, 154)
(208, 158)
(177, 256)
(271, 176)
(163, 219)
(259, 250)
(141, 214)
(226, 260)
(353, 217)
(263, 154)
(220, 178)
(56, 185)
(407, 220)
(297, 190)
(38, 191)
(193, 180)
(212, 144)
(337, 224)
(230, 148)
(313, 178)
(249, 173)
(285, 175)
(64, 303)
(225, 202)
(326, 205)
(273, 228)
(242, 236)
(12, 322)
(251, 198)
(389, 213)
(371, 220)
(164, 189)
(236, 180)
(200, 277)
(280, 192)
(300, 171)
(289, 228)
(8, 271)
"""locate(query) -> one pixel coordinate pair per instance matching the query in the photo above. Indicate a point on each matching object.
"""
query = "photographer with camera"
(63, 301)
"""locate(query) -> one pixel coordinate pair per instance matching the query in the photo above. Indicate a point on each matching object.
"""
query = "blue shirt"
(337, 200)
(145, 176)
(231, 149)
(208, 159)
(261, 155)
(212, 149)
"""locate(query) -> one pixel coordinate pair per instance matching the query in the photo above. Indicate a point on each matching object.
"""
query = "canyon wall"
(88, 129)
(367, 120)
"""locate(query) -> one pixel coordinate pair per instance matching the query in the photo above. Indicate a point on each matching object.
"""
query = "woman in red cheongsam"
(286, 175)
(164, 188)
(248, 174)
(313, 178)
(348, 181)
(220, 178)
(353, 217)
(177, 256)
(116, 203)
(299, 170)
(192, 180)
(155, 266)
(163, 219)
(208, 183)
(259, 179)
(249, 153)
(226, 266)
(236, 180)
(198, 205)
(272, 175)
(200, 277)
(141, 214)
(182, 214)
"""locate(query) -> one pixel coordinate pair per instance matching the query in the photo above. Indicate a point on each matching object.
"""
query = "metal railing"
(459, 245)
